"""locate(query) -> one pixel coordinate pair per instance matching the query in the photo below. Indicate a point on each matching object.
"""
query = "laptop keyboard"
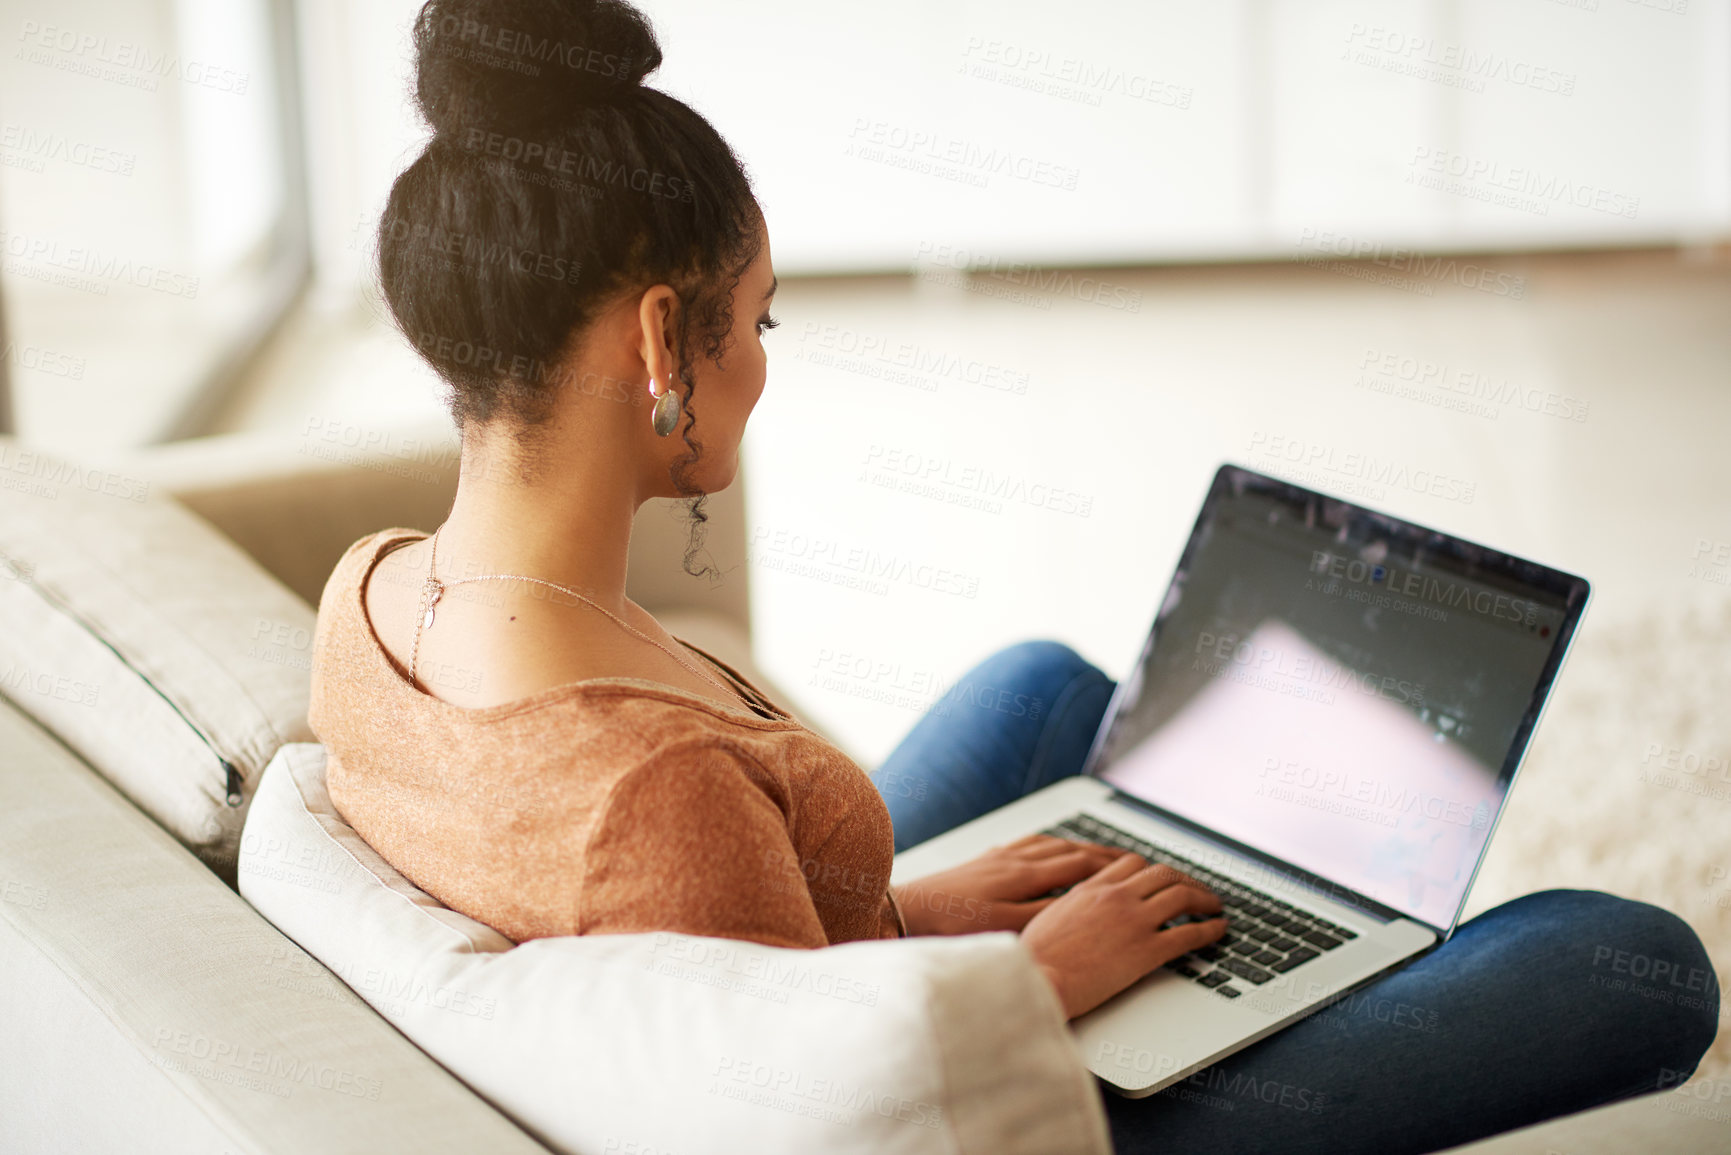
(1264, 936)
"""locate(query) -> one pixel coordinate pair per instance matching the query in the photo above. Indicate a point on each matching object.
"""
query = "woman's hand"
(1105, 933)
(1002, 888)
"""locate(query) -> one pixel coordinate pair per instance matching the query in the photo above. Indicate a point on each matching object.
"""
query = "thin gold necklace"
(434, 589)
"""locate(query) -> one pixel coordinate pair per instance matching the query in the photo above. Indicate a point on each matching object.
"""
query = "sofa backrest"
(295, 502)
(148, 643)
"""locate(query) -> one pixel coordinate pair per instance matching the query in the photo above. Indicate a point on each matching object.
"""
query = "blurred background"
(1044, 267)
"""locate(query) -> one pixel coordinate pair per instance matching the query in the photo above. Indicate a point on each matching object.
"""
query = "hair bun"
(519, 66)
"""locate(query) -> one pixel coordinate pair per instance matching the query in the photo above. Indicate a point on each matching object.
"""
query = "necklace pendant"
(434, 591)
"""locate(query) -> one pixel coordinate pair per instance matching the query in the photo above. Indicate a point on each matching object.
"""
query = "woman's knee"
(1043, 654)
(1642, 963)
(1039, 667)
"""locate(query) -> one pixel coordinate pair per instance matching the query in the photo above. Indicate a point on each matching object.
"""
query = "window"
(151, 223)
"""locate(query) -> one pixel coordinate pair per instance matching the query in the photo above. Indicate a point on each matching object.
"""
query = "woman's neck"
(560, 511)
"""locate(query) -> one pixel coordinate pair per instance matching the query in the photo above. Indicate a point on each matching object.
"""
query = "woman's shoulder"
(351, 568)
(385, 546)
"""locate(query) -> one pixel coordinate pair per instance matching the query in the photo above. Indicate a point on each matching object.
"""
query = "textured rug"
(1627, 788)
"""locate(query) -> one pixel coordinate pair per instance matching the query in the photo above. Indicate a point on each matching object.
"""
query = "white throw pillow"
(148, 643)
(674, 1044)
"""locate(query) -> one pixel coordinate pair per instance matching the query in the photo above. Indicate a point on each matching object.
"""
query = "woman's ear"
(657, 313)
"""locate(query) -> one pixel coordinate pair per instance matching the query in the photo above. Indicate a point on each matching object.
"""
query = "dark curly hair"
(554, 182)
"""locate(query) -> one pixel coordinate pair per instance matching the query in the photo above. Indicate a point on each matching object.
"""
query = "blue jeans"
(1526, 1013)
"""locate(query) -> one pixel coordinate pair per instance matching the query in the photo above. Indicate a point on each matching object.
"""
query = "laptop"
(1322, 728)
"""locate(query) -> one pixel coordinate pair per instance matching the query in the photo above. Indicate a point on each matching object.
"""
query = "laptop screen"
(1340, 690)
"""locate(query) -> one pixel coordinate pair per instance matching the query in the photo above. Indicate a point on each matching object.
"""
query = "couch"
(156, 774)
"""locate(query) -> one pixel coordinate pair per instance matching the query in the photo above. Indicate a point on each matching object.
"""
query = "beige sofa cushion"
(148, 643)
(665, 1042)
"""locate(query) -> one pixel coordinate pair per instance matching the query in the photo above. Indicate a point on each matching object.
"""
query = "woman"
(581, 259)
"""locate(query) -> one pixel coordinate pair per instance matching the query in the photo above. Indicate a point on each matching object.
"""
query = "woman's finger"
(1016, 915)
(1060, 870)
(1192, 935)
(1031, 840)
(1120, 868)
(1046, 845)
(1158, 877)
(1172, 901)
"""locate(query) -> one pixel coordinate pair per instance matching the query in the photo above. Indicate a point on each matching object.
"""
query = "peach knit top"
(604, 806)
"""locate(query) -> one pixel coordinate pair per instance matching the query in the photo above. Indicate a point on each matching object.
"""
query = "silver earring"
(665, 415)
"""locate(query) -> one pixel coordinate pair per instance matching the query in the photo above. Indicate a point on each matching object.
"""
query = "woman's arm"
(688, 842)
